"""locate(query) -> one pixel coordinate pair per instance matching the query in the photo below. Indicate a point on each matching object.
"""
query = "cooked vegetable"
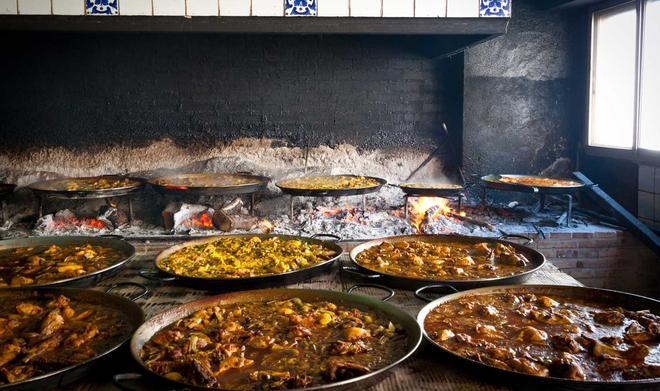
(273, 345)
(97, 183)
(330, 182)
(238, 257)
(553, 336)
(43, 264)
(443, 260)
(48, 332)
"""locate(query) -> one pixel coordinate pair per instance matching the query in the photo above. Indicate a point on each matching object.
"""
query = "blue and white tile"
(333, 8)
(300, 7)
(267, 7)
(68, 7)
(495, 8)
(8, 7)
(398, 8)
(102, 7)
(136, 8)
(430, 8)
(34, 7)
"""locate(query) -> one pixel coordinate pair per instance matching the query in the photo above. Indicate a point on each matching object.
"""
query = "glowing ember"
(426, 209)
(202, 220)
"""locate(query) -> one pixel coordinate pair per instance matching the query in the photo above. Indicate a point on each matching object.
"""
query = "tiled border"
(298, 8)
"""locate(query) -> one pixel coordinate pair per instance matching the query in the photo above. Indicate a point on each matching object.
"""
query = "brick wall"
(92, 89)
(614, 260)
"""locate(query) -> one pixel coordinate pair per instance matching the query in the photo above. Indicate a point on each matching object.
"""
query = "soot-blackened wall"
(94, 89)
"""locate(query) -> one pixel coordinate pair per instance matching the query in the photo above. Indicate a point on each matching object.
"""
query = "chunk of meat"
(10, 350)
(527, 366)
(610, 363)
(643, 371)
(487, 330)
(356, 333)
(60, 301)
(488, 310)
(76, 340)
(445, 334)
(234, 362)
(299, 331)
(349, 348)
(550, 317)
(18, 373)
(637, 334)
(532, 335)
(343, 370)
(52, 322)
(42, 347)
(567, 367)
(21, 280)
(200, 370)
(548, 302)
(565, 343)
(611, 318)
(28, 309)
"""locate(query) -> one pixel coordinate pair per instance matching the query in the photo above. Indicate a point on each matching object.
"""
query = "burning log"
(227, 222)
(168, 214)
(233, 206)
(472, 221)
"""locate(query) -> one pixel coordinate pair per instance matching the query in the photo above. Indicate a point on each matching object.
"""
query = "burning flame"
(202, 220)
(427, 208)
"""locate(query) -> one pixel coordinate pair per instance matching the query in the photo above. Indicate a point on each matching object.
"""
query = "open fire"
(425, 211)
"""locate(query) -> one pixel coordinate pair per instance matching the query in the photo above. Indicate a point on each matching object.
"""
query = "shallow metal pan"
(85, 280)
(64, 376)
(536, 261)
(334, 192)
(430, 191)
(162, 320)
(610, 297)
(260, 183)
(54, 188)
(493, 182)
(227, 284)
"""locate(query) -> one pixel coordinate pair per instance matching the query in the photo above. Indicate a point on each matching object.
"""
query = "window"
(624, 94)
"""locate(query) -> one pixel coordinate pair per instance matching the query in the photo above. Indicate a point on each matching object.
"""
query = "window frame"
(635, 154)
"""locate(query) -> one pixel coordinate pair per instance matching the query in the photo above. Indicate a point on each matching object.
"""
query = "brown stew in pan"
(443, 260)
(273, 345)
(42, 264)
(49, 332)
(553, 336)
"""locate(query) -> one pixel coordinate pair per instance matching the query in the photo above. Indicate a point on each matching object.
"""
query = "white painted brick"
(169, 7)
(8, 7)
(135, 7)
(202, 7)
(333, 8)
(462, 8)
(430, 8)
(399, 8)
(267, 7)
(34, 7)
(361, 8)
(68, 7)
(235, 7)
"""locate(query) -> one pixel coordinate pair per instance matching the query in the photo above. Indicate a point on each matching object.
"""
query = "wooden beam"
(624, 217)
(258, 25)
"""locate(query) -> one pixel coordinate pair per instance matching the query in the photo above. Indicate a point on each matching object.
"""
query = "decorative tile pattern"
(501, 8)
(102, 7)
(333, 8)
(398, 8)
(300, 7)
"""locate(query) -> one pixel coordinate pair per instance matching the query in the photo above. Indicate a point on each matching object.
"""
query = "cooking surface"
(423, 369)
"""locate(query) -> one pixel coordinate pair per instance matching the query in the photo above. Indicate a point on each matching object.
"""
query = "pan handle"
(335, 237)
(419, 293)
(357, 272)
(143, 289)
(390, 291)
(527, 239)
(155, 275)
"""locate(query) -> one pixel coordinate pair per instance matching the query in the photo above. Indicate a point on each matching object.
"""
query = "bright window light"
(612, 95)
(649, 120)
